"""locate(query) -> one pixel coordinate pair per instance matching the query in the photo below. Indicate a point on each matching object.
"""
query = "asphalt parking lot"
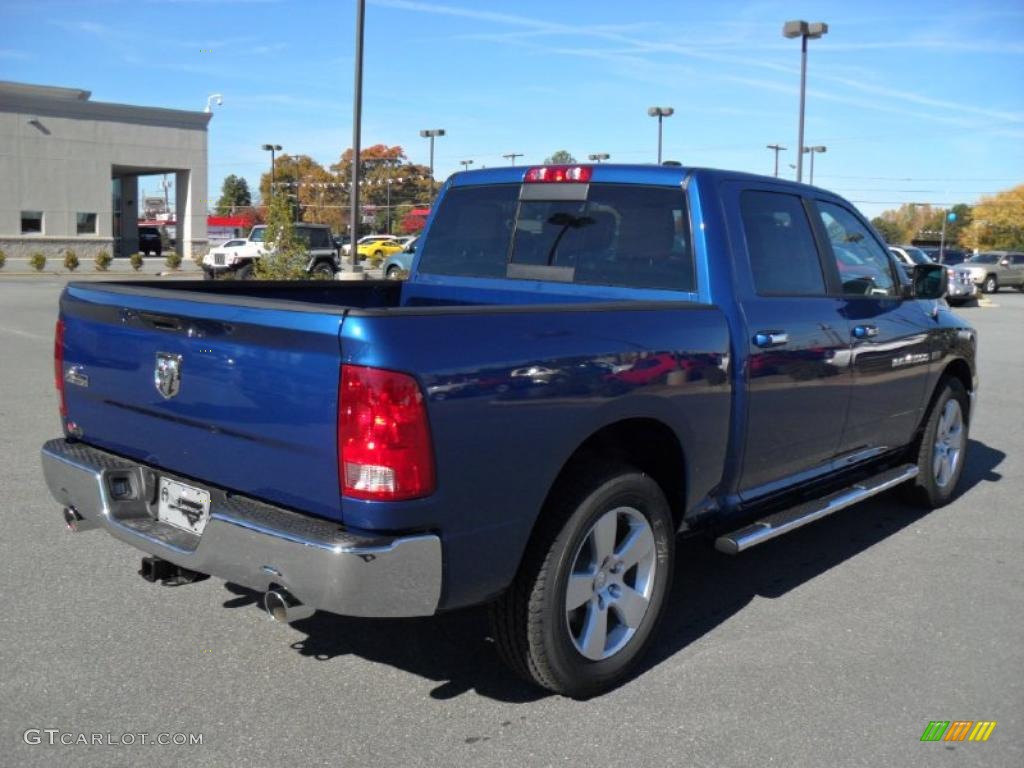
(834, 646)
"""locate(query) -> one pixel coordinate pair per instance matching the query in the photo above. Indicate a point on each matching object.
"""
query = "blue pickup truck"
(586, 362)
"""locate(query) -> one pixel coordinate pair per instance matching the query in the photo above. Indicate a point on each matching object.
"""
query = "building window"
(31, 222)
(87, 223)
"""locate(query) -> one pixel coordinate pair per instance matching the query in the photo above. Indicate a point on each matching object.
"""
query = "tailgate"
(241, 397)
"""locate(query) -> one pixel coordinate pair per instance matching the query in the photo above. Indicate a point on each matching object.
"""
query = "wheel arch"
(648, 444)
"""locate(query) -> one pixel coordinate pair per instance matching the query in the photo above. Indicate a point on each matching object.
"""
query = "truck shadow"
(456, 651)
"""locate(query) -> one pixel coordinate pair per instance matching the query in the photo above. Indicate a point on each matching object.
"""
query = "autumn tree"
(998, 222)
(888, 229)
(234, 194)
(382, 166)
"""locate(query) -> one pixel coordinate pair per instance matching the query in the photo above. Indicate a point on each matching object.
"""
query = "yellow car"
(377, 250)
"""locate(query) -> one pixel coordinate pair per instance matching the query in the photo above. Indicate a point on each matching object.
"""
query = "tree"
(286, 258)
(998, 222)
(561, 157)
(381, 167)
(234, 194)
(888, 229)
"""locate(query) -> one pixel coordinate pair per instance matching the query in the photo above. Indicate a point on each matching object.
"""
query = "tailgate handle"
(163, 322)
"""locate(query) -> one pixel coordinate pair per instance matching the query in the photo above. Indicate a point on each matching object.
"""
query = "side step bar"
(788, 520)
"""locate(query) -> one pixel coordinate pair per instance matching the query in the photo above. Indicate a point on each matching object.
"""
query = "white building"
(69, 171)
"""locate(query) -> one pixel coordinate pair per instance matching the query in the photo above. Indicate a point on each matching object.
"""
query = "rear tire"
(943, 447)
(322, 270)
(606, 543)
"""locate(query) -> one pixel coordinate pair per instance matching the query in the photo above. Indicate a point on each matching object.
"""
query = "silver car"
(994, 269)
(961, 287)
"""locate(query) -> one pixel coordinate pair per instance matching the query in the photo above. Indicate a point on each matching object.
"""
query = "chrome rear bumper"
(249, 542)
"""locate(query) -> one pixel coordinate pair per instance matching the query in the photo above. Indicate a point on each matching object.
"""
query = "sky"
(915, 102)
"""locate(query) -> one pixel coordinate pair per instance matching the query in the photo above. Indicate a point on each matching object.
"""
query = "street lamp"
(357, 125)
(465, 164)
(813, 151)
(777, 148)
(660, 113)
(213, 98)
(805, 32)
(511, 156)
(598, 157)
(272, 148)
(432, 133)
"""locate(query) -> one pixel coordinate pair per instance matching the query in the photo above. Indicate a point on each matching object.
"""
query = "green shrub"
(103, 259)
(37, 261)
(3, 258)
(70, 260)
(136, 261)
(287, 258)
(173, 259)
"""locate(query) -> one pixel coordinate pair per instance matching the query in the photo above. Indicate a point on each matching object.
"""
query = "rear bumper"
(252, 543)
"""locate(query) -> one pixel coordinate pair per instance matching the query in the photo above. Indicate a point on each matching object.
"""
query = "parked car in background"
(343, 244)
(909, 255)
(960, 289)
(994, 269)
(397, 264)
(150, 241)
(945, 255)
(378, 249)
(347, 250)
(239, 260)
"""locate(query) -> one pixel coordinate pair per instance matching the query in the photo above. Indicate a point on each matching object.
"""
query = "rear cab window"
(600, 234)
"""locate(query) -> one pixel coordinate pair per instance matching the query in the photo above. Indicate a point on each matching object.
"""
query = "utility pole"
(776, 148)
(357, 116)
(511, 156)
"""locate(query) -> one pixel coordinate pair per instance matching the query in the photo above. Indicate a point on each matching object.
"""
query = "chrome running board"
(788, 520)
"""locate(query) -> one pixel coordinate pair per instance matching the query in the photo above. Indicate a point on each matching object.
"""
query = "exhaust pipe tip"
(284, 607)
(74, 522)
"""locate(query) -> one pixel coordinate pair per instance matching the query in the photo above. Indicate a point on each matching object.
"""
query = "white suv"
(238, 255)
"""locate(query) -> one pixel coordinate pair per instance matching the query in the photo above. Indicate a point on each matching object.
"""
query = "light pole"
(598, 157)
(777, 148)
(213, 98)
(660, 113)
(432, 133)
(511, 156)
(465, 164)
(813, 151)
(805, 32)
(357, 116)
(272, 148)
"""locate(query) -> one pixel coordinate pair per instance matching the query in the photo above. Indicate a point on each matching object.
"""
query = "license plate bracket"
(183, 506)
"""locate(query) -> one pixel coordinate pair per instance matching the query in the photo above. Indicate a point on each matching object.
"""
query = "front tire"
(943, 448)
(322, 270)
(592, 585)
(991, 285)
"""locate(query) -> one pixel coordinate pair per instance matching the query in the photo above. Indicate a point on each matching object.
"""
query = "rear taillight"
(384, 450)
(58, 366)
(545, 174)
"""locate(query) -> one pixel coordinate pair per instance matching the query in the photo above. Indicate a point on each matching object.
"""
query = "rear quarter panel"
(512, 394)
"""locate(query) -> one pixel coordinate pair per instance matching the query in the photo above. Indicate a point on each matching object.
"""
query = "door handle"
(766, 339)
(865, 331)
